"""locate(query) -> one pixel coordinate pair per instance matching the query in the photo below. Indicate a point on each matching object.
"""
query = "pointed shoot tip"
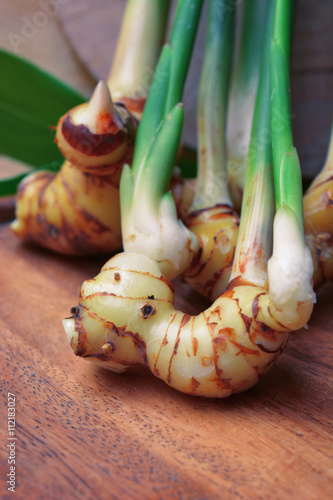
(100, 102)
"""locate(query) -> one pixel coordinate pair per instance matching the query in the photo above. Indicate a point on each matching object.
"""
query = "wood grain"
(84, 432)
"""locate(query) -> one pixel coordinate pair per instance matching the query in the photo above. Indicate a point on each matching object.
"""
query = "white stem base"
(163, 239)
(290, 269)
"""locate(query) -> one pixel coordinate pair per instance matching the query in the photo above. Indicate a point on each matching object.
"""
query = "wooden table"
(86, 433)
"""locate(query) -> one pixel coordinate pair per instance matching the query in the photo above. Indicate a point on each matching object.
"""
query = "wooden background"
(86, 433)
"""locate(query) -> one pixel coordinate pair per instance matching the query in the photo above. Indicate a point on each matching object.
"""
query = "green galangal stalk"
(126, 316)
(138, 49)
(252, 20)
(211, 217)
(254, 244)
(290, 267)
(318, 209)
(149, 222)
(211, 185)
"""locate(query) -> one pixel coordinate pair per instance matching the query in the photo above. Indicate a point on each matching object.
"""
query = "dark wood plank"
(84, 432)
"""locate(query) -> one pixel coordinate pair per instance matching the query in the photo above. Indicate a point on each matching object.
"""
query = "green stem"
(287, 172)
(166, 91)
(138, 47)
(148, 214)
(169, 78)
(250, 44)
(212, 186)
(254, 243)
(244, 84)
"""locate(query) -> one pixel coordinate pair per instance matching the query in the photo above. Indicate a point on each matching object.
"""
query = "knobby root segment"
(70, 213)
(126, 317)
(76, 211)
(318, 221)
(216, 229)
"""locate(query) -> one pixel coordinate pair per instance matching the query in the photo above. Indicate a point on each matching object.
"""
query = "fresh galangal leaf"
(31, 102)
(187, 161)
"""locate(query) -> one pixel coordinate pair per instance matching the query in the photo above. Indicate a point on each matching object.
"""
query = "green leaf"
(31, 101)
(166, 139)
(187, 161)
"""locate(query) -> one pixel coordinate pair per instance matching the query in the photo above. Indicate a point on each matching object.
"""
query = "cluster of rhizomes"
(226, 348)
(76, 211)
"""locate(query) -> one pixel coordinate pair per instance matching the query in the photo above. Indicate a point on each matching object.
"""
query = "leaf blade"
(31, 101)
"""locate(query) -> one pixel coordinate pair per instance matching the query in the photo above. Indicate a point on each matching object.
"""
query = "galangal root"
(126, 317)
(77, 210)
(318, 221)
